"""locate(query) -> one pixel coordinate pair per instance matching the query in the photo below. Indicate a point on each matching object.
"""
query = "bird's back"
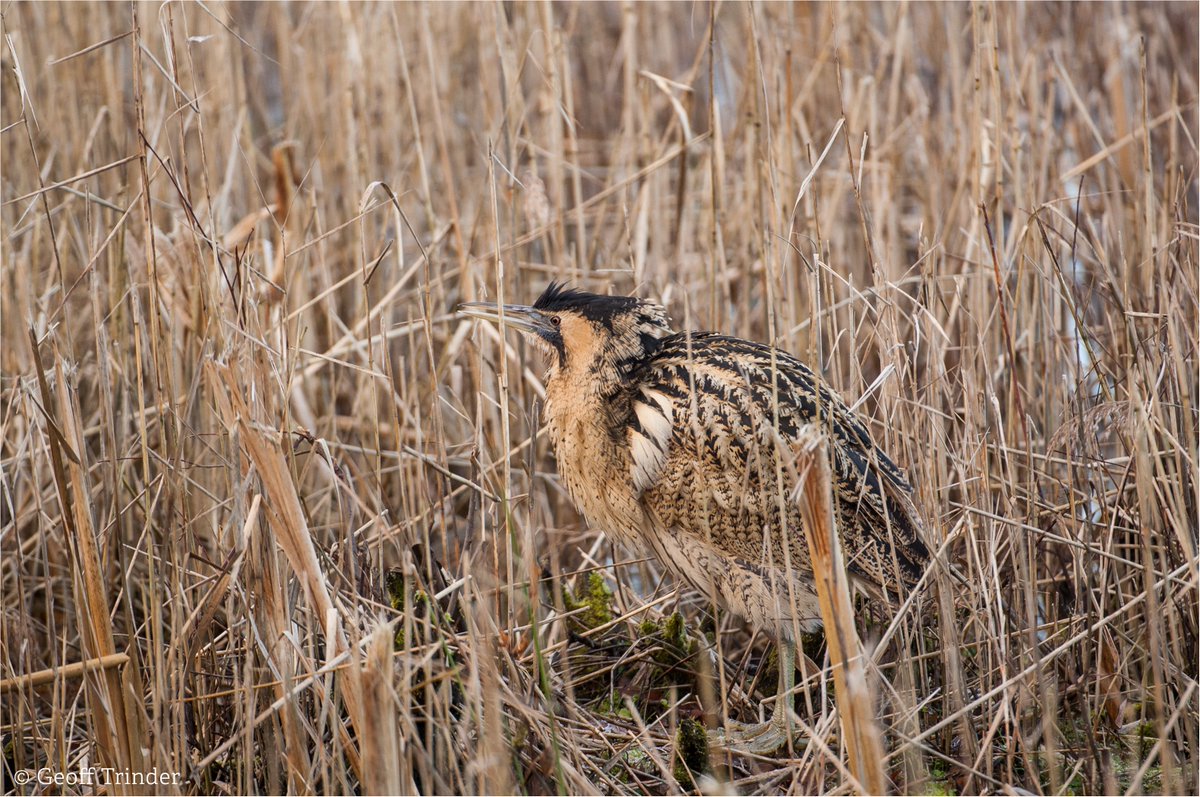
(710, 421)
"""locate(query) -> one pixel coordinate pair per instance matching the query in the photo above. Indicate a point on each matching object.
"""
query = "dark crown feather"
(592, 306)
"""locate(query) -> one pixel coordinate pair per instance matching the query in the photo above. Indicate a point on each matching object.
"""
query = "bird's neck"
(583, 402)
(598, 380)
(587, 429)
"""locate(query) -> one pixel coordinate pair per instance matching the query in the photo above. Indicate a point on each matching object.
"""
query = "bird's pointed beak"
(514, 315)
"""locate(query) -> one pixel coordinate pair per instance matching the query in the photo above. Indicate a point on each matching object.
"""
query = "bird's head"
(606, 336)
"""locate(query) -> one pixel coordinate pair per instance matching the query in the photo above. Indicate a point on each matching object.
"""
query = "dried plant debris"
(273, 519)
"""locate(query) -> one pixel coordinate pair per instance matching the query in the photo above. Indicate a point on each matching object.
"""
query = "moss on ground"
(595, 601)
(611, 666)
(691, 751)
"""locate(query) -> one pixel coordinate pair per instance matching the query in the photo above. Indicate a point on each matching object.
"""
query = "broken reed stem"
(854, 698)
(65, 441)
(292, 535)
(74, 670)
(379, 738)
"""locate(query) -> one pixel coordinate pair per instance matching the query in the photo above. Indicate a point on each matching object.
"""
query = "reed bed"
(274, 519)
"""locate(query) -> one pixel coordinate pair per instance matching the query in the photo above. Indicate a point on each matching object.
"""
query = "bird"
(671, 443)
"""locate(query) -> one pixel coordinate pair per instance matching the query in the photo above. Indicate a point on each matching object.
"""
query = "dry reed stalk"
(106, 694)
(292, 535)
(381, 752)
(680, 154)
(73, 670)
(855, 698)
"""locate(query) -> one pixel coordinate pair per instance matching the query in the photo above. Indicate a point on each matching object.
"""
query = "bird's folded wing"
(715, 408)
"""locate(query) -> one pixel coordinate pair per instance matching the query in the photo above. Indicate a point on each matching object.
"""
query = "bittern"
(673, 443)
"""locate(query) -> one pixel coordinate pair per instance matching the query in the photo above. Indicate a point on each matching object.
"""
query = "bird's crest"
(594, 306)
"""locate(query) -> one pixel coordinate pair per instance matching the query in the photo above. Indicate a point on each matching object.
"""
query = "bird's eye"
(555, 321)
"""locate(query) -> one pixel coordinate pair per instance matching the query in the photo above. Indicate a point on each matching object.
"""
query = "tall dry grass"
(274, 519)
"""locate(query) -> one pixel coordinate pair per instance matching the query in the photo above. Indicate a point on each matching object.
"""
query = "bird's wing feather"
(704, 417)
(650, 431)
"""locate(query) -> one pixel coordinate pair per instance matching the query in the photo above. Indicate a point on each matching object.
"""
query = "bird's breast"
(594, 466)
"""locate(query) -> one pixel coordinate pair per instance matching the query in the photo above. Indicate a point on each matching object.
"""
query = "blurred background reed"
(273, 518)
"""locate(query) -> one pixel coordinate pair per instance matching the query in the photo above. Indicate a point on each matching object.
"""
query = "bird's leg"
(765, 737)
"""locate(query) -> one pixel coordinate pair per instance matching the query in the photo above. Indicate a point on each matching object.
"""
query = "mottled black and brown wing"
(707, 414)
(881, 532)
